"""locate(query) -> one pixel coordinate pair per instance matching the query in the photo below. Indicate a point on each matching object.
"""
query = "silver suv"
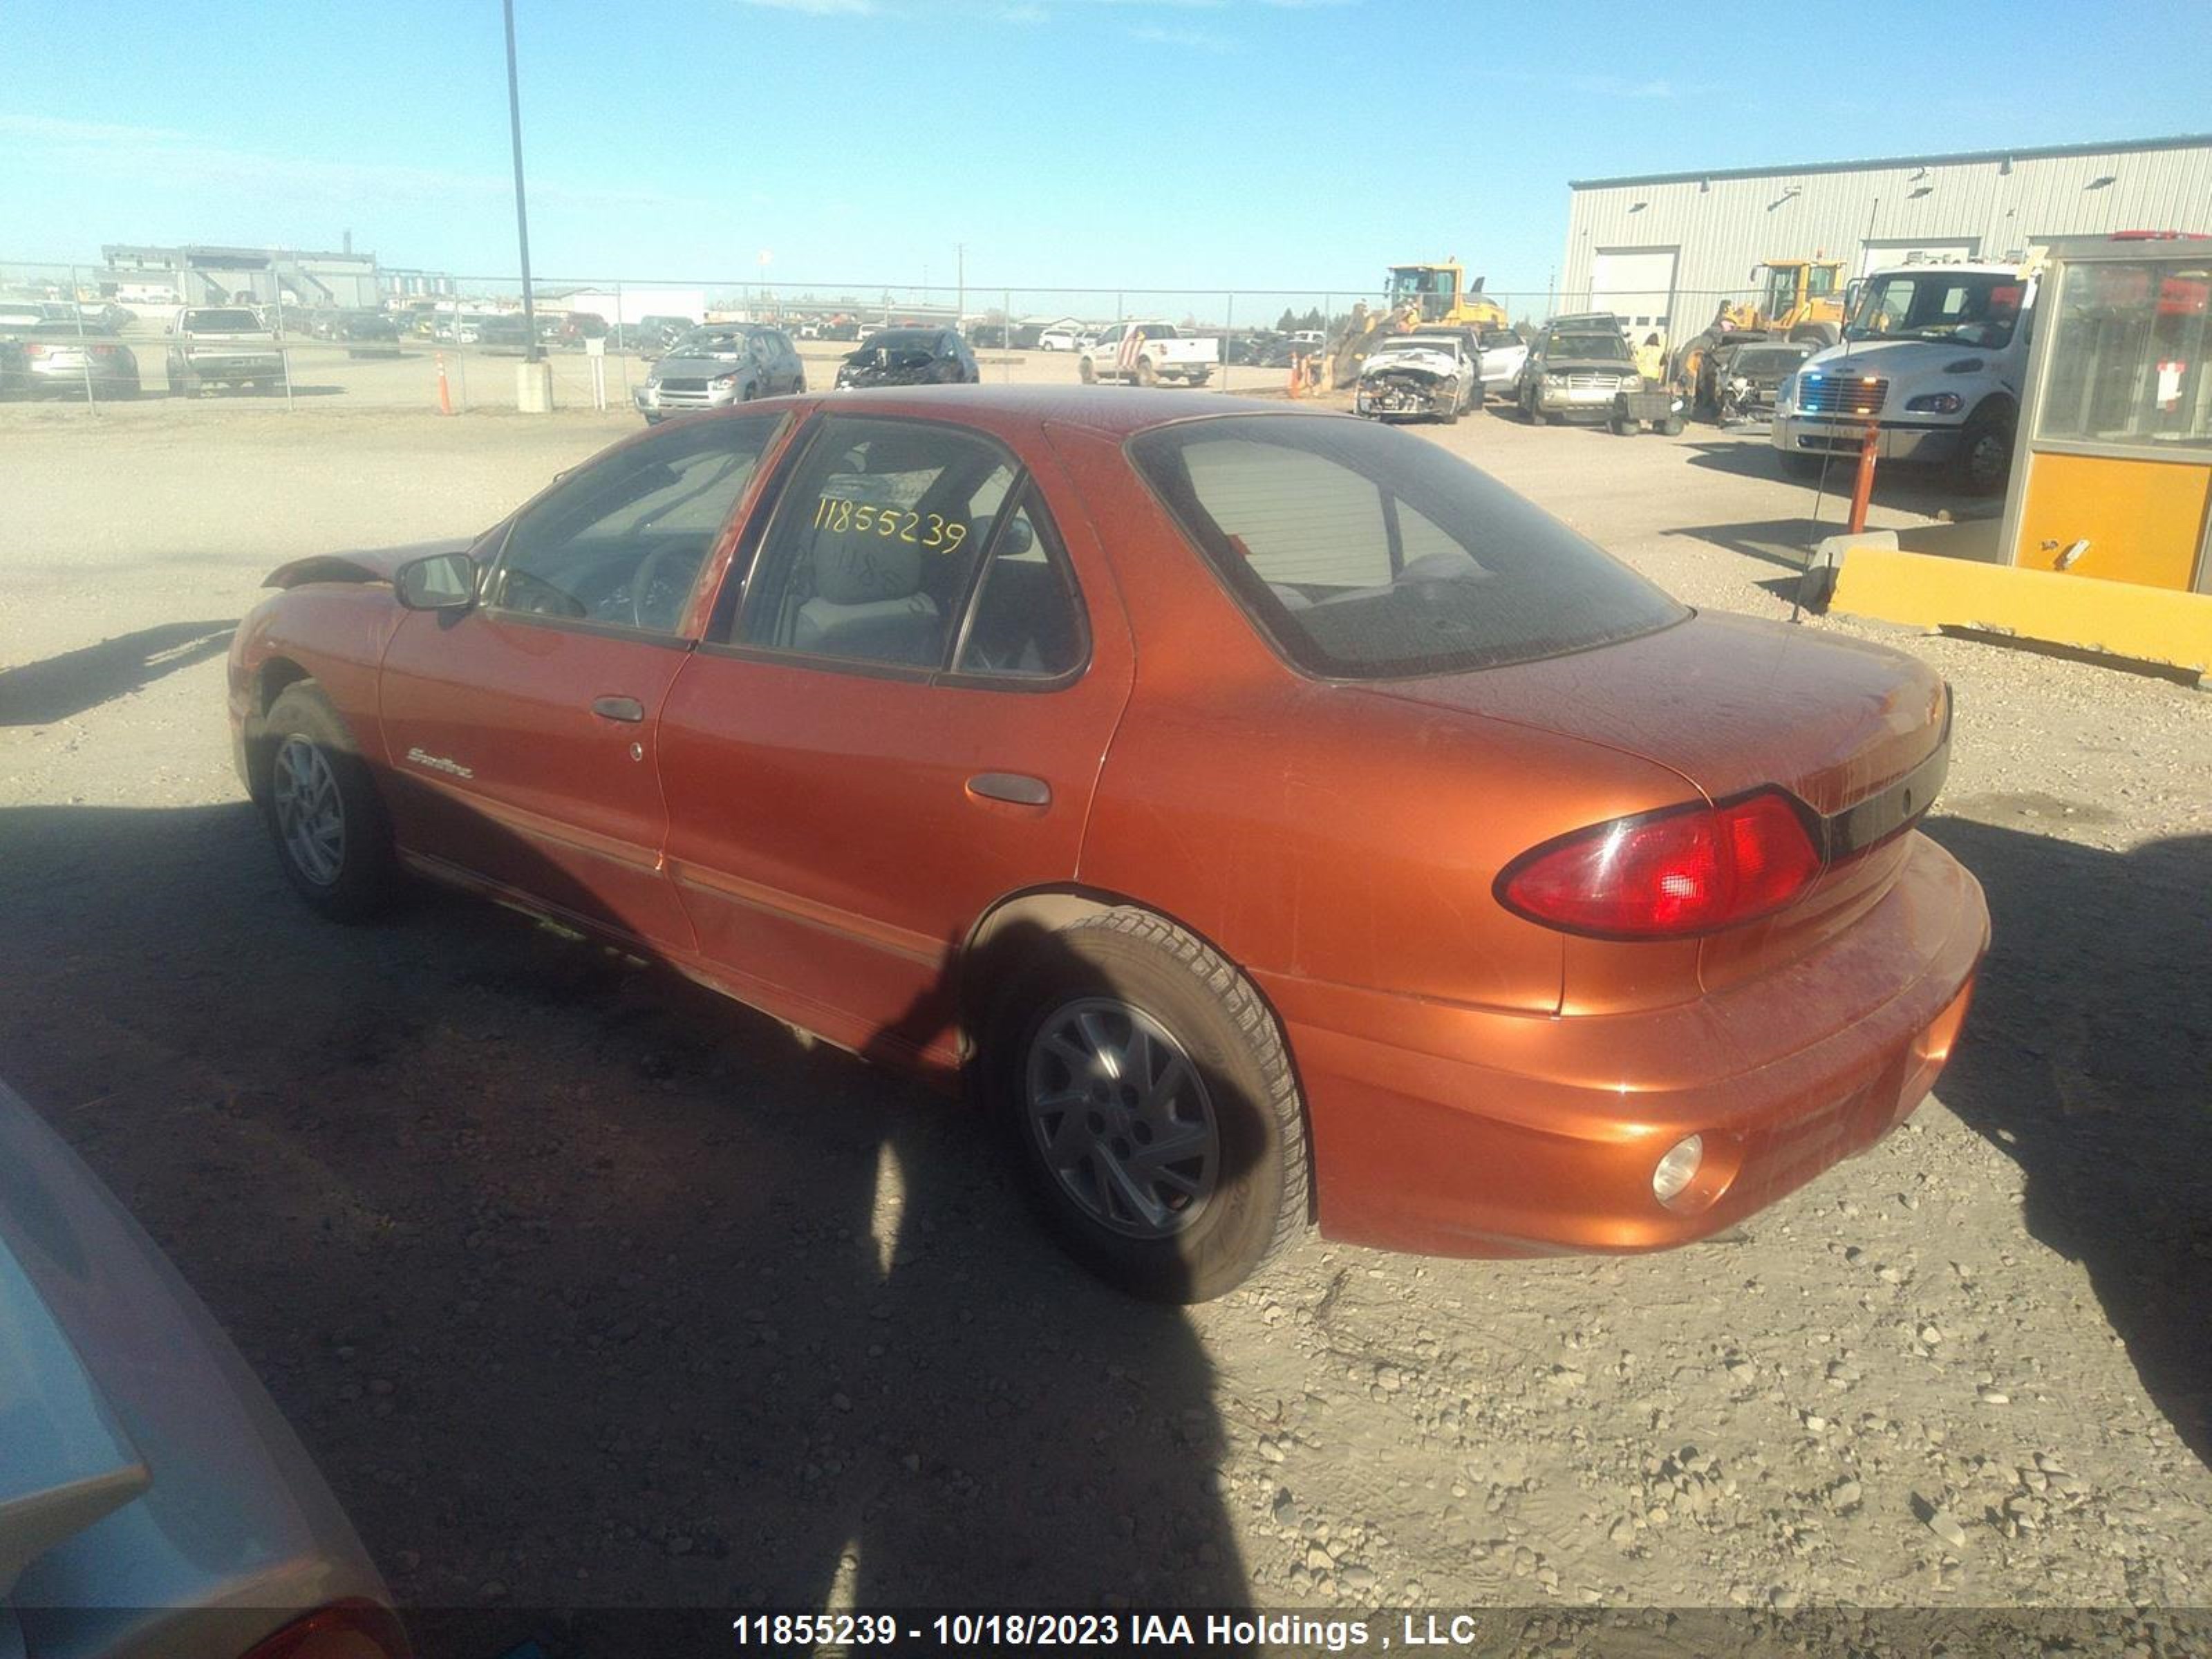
(719, 365)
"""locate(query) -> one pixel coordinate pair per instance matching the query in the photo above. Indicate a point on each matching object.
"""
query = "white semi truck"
(1934, 354)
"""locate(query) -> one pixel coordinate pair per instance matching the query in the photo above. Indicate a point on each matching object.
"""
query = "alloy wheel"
(310, 812)
(1122, 1118)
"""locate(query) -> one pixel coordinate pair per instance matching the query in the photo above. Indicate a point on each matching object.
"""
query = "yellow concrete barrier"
(2120, 619)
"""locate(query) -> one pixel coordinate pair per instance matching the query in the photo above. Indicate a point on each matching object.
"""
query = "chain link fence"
(451, 341)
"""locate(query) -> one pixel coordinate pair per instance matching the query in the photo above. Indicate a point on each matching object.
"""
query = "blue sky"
(1165, 144)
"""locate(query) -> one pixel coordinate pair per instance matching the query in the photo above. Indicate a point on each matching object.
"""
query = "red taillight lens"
(345, 1630)
(1668, 875)
(36, 350)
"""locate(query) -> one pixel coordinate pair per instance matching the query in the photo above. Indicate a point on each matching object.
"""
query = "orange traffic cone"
(445, 393)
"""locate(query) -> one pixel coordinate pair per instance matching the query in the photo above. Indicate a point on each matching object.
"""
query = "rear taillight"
(36, 350)
(1670, 874)
(345, 1630)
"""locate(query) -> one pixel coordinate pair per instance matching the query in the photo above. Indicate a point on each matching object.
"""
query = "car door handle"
(1018, 788)
(626, 709)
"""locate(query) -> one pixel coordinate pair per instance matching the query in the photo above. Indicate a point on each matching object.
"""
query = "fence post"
(622, 324)
(1228, 334)
(283, 351)
(83, 351)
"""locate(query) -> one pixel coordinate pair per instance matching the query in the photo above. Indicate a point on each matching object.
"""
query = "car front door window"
(622, 543)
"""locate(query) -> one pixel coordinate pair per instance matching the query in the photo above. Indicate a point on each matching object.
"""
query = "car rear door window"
(622, 542)
(875, 544)
(1026, 622)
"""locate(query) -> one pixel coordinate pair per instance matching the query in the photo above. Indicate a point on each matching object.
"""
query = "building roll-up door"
(1636, 284)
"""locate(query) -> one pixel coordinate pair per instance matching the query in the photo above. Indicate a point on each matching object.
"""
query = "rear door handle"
(1019, 787)
(626, 709)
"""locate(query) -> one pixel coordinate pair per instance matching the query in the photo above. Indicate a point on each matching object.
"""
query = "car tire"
(1146, 375)
(1084, 372)
(1671, 427)
(1088, 991)
(324, 817)
(1449, 417)
(1984, 459)
(184, 384)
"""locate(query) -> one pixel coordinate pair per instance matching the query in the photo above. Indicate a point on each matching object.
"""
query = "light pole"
(534, 385)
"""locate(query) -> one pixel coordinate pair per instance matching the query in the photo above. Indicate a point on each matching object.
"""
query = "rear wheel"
(1084, 372)
(1150, 1106)
(1621, 425)
(1671, 427)
(333, 842)
(1146, 375)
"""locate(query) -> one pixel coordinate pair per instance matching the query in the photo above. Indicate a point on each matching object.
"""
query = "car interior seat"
(868, 602)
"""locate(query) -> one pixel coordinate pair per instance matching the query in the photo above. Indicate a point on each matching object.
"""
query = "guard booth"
(2112, 477)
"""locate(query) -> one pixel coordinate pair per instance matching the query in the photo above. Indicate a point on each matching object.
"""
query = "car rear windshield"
(222, 322)
(902, 340)
(1364, 553)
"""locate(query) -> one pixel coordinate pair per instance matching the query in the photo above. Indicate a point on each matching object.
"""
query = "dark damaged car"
(910, 357)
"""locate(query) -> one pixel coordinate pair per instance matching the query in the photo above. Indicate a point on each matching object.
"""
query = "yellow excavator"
(1799, 300)
(1438, 296)
(1416, 297)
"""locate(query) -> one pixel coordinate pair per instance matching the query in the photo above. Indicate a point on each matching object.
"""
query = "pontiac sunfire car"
(1274, 817)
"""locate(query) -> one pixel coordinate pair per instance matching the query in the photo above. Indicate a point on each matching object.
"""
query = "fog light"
(1678, 1169)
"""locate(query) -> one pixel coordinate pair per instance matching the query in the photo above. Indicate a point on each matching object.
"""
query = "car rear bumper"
(1900, 441)
(1474, 1132)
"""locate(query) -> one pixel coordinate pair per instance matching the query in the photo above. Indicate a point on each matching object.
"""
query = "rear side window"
(1027, 622)
(1364, 553)
(876, 543)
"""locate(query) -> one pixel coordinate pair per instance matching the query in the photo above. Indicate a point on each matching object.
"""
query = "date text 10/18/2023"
(1242, 1631)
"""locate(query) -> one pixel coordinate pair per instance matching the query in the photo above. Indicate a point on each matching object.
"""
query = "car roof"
(1012, 410)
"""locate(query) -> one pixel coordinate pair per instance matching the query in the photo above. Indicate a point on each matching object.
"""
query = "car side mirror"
(442, 582)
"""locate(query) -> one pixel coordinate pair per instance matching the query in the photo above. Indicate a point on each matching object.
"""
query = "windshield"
(1958, 307)
(898, 340)
(1774, 360)
(222, 322)
(709, 342)
(1609, 347)
(1367, 553)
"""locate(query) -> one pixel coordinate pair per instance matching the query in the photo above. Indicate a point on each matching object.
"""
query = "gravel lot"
(587, 1289)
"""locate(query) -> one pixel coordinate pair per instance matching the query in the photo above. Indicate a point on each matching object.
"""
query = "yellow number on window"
(906, 530)
(936, 536)
(863, 518)
(955, 533)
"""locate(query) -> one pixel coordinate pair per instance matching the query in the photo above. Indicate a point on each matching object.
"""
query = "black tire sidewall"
(365, 874)
(1239, 1229)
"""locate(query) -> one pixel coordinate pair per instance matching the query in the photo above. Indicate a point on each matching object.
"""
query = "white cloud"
(1190, 39)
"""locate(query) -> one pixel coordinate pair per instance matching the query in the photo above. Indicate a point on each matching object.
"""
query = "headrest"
(858, 567)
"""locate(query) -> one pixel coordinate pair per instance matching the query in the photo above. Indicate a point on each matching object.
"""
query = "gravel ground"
(587, 1289)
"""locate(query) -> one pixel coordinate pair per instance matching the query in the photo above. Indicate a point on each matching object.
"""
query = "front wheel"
(1149, 1100)
(1984, 454)
(333, 842)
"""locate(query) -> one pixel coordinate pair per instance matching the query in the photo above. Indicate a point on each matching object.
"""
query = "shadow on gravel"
(41, 693)
(2085, 1060)
(587, 1289)
(1906, 489)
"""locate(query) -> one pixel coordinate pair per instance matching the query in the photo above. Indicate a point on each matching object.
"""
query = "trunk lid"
(1857, 732)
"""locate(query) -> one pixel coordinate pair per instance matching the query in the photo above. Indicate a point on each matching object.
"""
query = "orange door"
(521, 735)
(902, 726)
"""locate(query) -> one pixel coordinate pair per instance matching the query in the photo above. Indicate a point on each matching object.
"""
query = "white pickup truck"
(222, 345)
(1149, 354)
(1934, 354)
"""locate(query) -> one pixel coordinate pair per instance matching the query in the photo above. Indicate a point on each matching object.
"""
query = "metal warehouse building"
(1663, 251)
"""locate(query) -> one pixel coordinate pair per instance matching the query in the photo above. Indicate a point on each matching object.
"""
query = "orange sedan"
(1272, 820)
